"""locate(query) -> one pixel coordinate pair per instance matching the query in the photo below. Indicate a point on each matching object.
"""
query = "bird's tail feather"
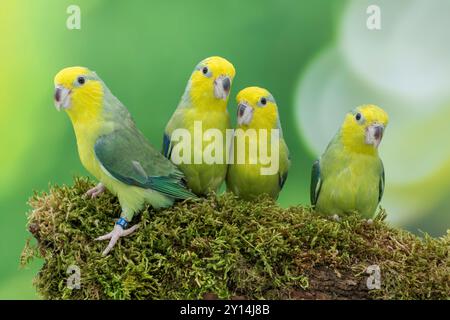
(171, 187)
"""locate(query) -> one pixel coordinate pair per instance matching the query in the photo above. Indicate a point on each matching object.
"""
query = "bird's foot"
(116, 233)
(95, 191)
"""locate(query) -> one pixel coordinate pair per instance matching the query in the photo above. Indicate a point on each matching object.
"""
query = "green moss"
(227, 248)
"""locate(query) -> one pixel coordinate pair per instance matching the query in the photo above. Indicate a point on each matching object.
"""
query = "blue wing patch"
(381, 185)
(282, 179)
(316, 183)
(167, 148)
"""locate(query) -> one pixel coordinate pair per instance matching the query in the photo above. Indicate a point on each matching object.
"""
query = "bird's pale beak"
(374, 134)
(222, 86)
(245, 114)
(62, 98)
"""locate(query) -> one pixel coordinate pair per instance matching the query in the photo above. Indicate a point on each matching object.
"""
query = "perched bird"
(257, 111)
(114, 151)
(349, 176)
(203, 103)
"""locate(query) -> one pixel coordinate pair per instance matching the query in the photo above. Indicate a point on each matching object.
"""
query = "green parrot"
(349, 176)
(204, 104)
(257, 111)
(114, 151)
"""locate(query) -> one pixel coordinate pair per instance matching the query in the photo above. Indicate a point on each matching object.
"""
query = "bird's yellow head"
(256, 109)
(210, 82)
(78, 91)
(363, 128)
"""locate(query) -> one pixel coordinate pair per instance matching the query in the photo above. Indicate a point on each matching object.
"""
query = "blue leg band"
(122, 222)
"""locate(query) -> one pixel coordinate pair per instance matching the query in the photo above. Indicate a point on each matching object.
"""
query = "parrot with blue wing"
(114, 151)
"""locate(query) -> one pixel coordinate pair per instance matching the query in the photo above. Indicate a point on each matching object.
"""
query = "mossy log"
(222, 247)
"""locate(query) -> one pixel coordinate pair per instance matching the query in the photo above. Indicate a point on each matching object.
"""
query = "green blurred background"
(316, 57)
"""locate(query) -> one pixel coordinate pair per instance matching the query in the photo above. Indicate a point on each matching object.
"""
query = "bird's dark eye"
(205, 70)
(263, 101)
(358, 116)
(81, 80)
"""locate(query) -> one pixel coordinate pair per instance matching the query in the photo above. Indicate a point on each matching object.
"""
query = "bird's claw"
(114, 235)
(95, 191)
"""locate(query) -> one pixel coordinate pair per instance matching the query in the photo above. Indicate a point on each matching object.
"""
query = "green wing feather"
(316, 182)
(128, 156)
